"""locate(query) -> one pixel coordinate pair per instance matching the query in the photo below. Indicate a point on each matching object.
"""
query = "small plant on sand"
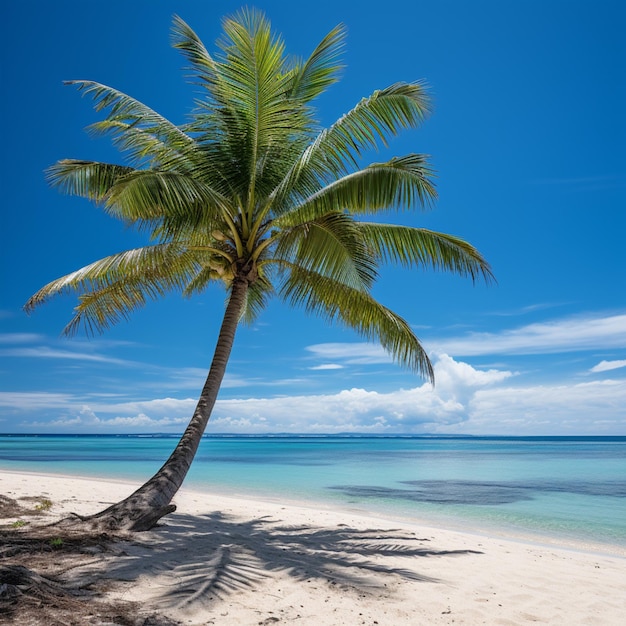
(57, 542)
(44, 505)
(20, 523)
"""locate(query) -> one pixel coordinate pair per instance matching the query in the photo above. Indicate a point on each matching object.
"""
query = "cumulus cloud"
(605, 366)
(562, 409)
(421, 409)
(157, 415)
(86, 420)
(465, 399)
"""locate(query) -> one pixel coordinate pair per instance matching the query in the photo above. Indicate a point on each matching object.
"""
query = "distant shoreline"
(333, 435)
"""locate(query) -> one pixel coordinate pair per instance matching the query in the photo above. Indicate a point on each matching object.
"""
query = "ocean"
(565, 488)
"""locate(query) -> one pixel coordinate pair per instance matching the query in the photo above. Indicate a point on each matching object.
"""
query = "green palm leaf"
(186, 40)
(121, 283)
(332, 246)
(335, 150)
(319, 71)
(87, 179)
(359, 311)
(419, 247)
(399, 183)
(136, 128)
(152, 194)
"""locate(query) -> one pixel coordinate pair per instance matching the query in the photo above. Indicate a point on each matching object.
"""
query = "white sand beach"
(223, 560)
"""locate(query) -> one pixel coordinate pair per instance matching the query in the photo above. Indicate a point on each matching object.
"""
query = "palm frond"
(137, 128)
(200, 281)
(250, 190)
(359, 311)
(87, 179)
(99, 310)
(186, 40)
(145, 149)
(253, 83)
(127, 277)
(399, 183)
(319, 71)
(419, 247)
(332, 246)
(171, 198)
(334, 152)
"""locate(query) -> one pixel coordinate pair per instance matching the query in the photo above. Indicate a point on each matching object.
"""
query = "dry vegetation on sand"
(35, 562)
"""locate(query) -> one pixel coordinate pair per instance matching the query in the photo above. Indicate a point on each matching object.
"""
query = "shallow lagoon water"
(569, 487)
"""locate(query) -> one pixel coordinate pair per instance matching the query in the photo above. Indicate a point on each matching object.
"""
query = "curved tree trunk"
(146, 506)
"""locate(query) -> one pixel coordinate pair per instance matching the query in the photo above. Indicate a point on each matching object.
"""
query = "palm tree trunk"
(146, 506)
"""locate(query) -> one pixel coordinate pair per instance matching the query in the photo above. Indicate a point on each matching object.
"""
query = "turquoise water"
(572, 488)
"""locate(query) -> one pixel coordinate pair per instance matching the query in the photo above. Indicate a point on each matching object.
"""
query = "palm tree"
(253, 194)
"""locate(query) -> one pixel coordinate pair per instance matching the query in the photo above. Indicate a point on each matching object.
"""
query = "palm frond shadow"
(196, 560)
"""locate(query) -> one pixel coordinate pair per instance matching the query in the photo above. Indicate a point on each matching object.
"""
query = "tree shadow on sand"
(194, 561)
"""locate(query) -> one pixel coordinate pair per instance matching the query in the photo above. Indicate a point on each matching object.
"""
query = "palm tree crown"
(252, 192)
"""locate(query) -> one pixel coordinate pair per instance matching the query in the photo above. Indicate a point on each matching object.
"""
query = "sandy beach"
(223, 560)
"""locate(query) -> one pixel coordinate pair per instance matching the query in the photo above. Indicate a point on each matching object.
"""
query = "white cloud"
(531, 308)
(421, 409)
(45, 352)
(158, 406)
(35, 346)
(565, 335)
(88, 421)
(35, 401)
(195, 377)
(592, 332)
(327, 366)
(583, 408)
(605, 366)
(451, 375)
(351, 410)
(464, 400)
(19, 338)
(356, 353)
(468, 401)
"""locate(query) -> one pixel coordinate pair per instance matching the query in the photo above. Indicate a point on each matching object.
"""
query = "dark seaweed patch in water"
(481, 492)
(443, 492)
(614, 488)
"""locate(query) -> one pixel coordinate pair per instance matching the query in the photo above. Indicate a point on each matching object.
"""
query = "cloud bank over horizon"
(465, 400)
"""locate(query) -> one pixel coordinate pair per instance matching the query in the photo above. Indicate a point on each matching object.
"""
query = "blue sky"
(528, 138)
